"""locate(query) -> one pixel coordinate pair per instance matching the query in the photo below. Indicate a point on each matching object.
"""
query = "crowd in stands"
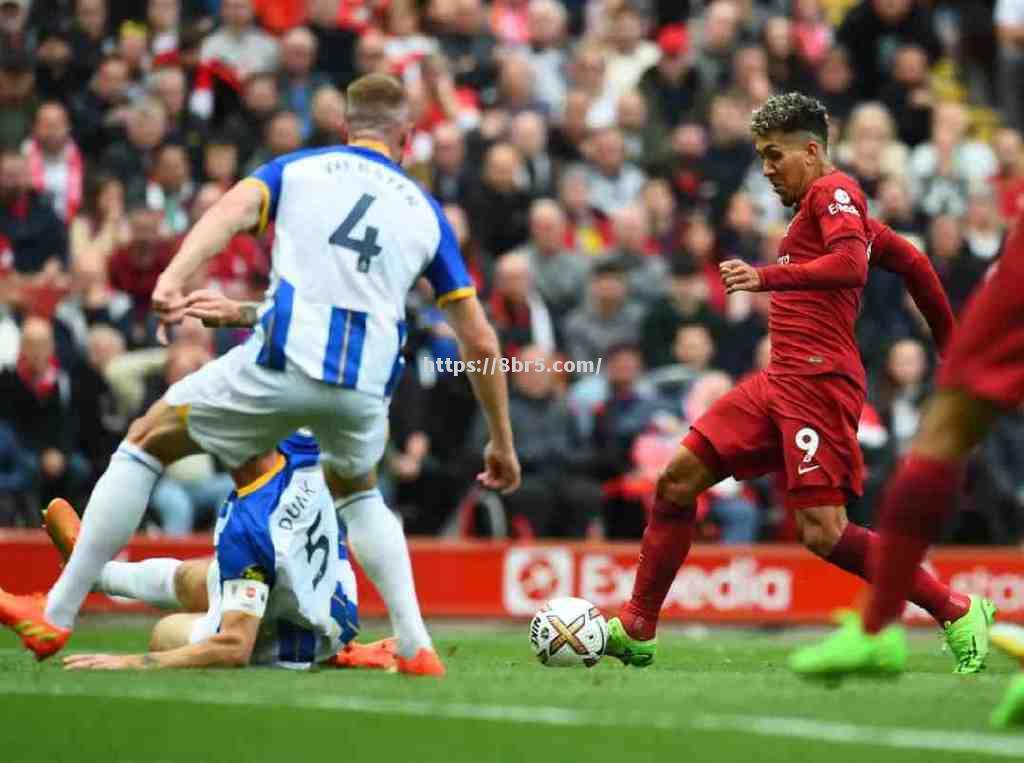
(594, 159)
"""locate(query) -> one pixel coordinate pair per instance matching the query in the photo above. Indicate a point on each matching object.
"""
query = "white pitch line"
(976, 743)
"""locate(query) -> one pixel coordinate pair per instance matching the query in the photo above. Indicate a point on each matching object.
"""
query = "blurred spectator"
(89, 39)
(220, 161)
(17, 98)
(588, 75)
(872, 32)
(546, 23)
(509, 20)
(570, 132)
(812, 36)
(466, 42)
(499, 206)
(942, 169)
(132, 160)
(55, 164)
(947, 251)
(786, 68)
(335, 49)
(36, 399)
(282, 135)
(169, 84)
(644, 140)
(557, 497)
(55, 76)
(242, 270)
(560, 274)
(587, 230)
(718, 37)
(613, 182)
(671, 85)
(1009, 22)
(239, 43)
(102, 425)
(170, 190)
(18, 467)
(1009, 180)
(902, 391)
(834, 80)
(97, 113)
(299, 82)
(91, 301)
(328, 118)
(870, 150)
(730, 152)
(607, 318)
(191, 489)
(135, 267)
(529, 133)
(516, 88)
(908, 96)
(644, 270)
(998, 481)
(450, 177)
(15, 32)
(630, 54)
(896, 209)
(517, 310)
(163, 21)
(685, 303)
(10, 295)
(27, 220)
(247, 127)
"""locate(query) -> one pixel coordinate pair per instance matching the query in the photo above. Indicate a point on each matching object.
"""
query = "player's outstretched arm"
(231, 647)
(892, 252)
(238, 210)
(479, 347)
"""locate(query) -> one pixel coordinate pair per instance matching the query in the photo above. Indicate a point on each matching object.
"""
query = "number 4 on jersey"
(365, 247)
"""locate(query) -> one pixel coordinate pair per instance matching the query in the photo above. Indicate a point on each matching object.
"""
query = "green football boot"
(851, 650)
(968, 637)
(620, 644)
(1010, 712)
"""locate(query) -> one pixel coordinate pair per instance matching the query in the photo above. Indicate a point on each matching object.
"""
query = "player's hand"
(168, 304)
(214, 309)
(103, 662)
(501, 469)
(737, 275)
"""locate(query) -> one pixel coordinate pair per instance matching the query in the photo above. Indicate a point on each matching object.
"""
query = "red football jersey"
(812, 328)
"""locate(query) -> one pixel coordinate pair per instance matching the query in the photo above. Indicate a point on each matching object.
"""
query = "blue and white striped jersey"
(281, 554)
(352, 234)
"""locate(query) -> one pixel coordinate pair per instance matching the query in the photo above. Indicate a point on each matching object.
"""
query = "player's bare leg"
(173, 631)
(918, 501)
(666, 542)
(113, 513)
(826, 532)
(376, 538)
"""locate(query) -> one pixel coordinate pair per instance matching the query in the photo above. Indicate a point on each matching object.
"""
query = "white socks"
(379, 545)
(113, 513)
(150, 581)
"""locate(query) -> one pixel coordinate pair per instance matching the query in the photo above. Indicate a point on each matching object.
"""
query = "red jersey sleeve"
(839, 215)
(890, 251)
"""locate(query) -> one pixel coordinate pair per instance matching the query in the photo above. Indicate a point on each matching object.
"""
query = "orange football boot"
(424, 663)
(377, 655)
(24, 616)
(63, 525)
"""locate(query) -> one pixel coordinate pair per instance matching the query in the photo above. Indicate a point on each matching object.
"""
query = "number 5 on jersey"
(365, 247)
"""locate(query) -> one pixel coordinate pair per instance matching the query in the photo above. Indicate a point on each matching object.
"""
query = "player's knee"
(162, 433)
(190, 585)
(684, 479)
(171, 632)
(820, 534)
(952, 424)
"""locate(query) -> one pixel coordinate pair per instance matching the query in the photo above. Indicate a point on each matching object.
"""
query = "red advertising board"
(737, 584)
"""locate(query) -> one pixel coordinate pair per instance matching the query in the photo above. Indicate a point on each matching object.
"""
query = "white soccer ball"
(567, 632)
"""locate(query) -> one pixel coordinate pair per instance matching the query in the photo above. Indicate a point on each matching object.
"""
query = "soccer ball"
(567, 632)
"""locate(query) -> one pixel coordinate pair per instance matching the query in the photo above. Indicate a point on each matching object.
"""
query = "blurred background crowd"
(594, 159)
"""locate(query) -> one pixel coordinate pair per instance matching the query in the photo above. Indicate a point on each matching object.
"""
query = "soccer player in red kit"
(800, 415)
(983, 376)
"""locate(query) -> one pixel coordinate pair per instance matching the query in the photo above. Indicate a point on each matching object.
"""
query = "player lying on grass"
(279, 591)
(800, 415)
(982, 377)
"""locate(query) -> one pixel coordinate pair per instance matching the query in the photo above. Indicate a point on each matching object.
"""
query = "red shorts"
(802, 426)
(986, 357)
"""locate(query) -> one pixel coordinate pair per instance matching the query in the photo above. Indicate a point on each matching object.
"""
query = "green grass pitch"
(726, 697)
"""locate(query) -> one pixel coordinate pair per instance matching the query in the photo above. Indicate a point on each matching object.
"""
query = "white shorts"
(236, 409)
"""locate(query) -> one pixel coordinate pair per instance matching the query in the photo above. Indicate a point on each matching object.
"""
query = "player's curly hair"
(791, 112)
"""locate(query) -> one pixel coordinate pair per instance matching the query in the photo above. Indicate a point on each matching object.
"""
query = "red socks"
(666, 543)
(858, 547)
(919, 498)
